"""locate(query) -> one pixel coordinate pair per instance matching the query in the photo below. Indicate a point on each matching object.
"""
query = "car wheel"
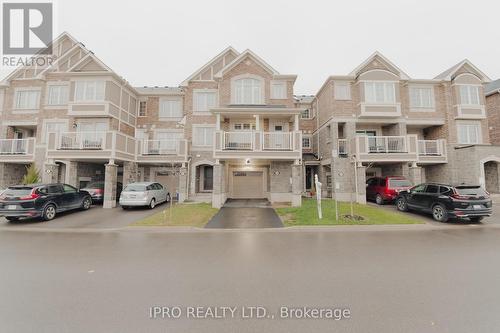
(379, 200)
(125, 207)
(402, 205)
(49, 212)
(12, 218)
(87, 202)
(168, 197)
(152, 204)
(476, 219)
(439, 213)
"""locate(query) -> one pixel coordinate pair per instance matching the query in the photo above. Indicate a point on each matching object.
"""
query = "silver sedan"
(144, 194)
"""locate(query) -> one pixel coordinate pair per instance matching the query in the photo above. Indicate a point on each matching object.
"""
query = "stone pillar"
(50, 173)
(361, 184)
(182, 188)
(110, 179)
(415, 175)
(130, 173)
(2, 176)
(297, 185)
(72, 173)
(218, 193)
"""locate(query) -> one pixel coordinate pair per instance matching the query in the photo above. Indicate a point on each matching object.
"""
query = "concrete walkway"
(245, 213)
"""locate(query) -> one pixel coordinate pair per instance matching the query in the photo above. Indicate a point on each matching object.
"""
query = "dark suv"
(41, 200)
(446, 201)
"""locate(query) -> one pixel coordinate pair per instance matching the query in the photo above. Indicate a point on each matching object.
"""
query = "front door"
(208, 178)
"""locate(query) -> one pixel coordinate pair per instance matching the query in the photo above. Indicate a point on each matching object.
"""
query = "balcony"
(432, 151)
(385, 148)
(162, 151)
(91, 145)
(257, 144)
(17, 150)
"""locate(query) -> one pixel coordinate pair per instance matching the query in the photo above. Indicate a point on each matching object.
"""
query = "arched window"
(248, 91)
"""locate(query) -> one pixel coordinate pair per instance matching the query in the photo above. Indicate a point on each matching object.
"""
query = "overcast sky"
(163, 42)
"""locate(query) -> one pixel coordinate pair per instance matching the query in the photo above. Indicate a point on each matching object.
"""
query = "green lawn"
(308, 214)
(187, 215)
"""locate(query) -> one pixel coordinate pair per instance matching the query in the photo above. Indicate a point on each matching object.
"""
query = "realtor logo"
(27, 28)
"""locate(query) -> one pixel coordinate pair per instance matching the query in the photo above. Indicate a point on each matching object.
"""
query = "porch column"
(218, 192)
(71, 177)
(257, 122)
(110, 178)
(297, 185)
(415, 175)
(217, 122)
(361, 184)
(50, 173)
(130, 173)
(182, 188)
(296, 122)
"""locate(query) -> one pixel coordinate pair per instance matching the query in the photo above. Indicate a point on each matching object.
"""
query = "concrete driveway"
(94, 218)
(245, 213)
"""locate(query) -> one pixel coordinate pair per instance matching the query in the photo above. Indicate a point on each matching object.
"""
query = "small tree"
(32, 175)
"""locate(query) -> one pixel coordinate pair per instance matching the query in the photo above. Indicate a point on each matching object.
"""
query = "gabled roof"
(227, 50)
(449, 74)
(241, 57)
(374, 56)
(492, 87)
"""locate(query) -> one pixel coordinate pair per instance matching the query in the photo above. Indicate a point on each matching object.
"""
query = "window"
(203, 101)
(203, 136)
(89, 91)
(380, 92)
(244, 127)
(140, 134)
(418, 189)
(342, 90)
(69, 189)
(142, 109)
(469, 95)
(278, 89)
(422, 97)
(170, 108)
(306, 114)
(469, 133)
(432, 189)
(168, 140)
(54, 127)
(306, 142)
(248, 91)
(27, 99)
(58, 95)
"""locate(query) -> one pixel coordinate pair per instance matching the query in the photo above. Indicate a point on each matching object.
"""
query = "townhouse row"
(235, 129)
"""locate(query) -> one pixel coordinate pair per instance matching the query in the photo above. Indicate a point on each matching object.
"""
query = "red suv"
(385, 189)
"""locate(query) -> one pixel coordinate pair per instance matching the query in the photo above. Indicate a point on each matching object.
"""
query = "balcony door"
(91, 134)
(168, 141)
(372, 139)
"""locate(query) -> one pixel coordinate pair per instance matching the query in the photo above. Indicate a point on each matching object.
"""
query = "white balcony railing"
(278, 140)
(16, 146)
(386, 144)
(430, 148)
(82, 140)
(238, 140)
(160, 147)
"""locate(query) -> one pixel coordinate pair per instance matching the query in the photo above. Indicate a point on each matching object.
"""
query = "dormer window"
(380, 92)
(469, 95)
(248, 91)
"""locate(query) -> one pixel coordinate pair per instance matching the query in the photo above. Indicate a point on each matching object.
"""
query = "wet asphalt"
(417, 280)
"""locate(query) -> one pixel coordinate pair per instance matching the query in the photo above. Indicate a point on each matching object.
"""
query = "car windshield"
(472, 191)
(16, 192)
(399, 183)
(96, 185)
(135, 188)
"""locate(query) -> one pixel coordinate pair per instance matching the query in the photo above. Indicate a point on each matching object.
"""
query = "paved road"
(95, 217)
(392, 281)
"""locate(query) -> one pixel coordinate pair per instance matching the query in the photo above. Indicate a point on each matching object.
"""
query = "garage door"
(248, 184)
(168, 180)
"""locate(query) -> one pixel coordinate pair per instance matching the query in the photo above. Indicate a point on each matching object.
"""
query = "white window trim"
(479, 133)
(207, 112)
(47, 94)
(342, 83)
(307, 136)
(248, 76)
(394, 83)
(53, 120)
(310, 114)
(173, 118)
(279, 82)
(419, 108)
(34, 110)
(195, 126)
(460, 85)
(139, 108)
(90, 100)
